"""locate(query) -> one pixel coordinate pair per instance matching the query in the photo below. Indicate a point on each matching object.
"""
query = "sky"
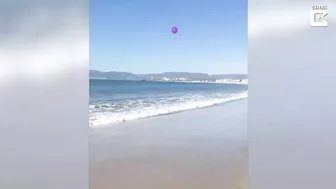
(135, 36)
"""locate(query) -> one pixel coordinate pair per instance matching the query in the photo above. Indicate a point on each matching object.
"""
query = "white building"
(181, 79)
(165, 79)
(237, 81)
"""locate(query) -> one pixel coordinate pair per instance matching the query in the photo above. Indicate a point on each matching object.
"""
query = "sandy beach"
(198, 149)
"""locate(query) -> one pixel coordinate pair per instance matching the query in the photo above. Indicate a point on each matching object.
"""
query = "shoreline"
(168, 81)
(203, 148)
(165, 114)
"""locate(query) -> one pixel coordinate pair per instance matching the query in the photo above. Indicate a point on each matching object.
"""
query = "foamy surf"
(105, 114)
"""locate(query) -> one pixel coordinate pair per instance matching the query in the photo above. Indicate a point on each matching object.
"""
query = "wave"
(104, 114)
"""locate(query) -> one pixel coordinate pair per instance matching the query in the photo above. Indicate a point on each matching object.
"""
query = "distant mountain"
(113, 75)
(192, 76)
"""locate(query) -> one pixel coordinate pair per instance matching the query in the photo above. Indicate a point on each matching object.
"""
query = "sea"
(113, 101)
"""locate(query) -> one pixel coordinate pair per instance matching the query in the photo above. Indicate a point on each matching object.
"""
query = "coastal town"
(230, 81)
(172, 77)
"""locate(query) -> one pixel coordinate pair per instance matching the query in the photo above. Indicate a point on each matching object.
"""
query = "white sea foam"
(102, 115)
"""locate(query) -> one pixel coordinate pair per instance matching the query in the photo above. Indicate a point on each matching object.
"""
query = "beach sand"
(198, 149)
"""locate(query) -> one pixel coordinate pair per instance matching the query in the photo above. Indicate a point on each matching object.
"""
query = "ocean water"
(119, 101)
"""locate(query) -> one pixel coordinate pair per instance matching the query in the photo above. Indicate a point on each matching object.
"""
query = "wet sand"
(199, 149)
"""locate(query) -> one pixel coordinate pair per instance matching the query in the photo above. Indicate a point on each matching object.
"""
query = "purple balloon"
(174, 30)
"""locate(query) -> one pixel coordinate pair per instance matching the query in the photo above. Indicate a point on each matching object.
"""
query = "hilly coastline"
(113, 75)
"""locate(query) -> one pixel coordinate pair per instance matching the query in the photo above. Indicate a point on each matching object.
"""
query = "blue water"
(119, 101)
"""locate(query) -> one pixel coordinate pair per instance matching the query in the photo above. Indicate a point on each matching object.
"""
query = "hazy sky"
(135, 36)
